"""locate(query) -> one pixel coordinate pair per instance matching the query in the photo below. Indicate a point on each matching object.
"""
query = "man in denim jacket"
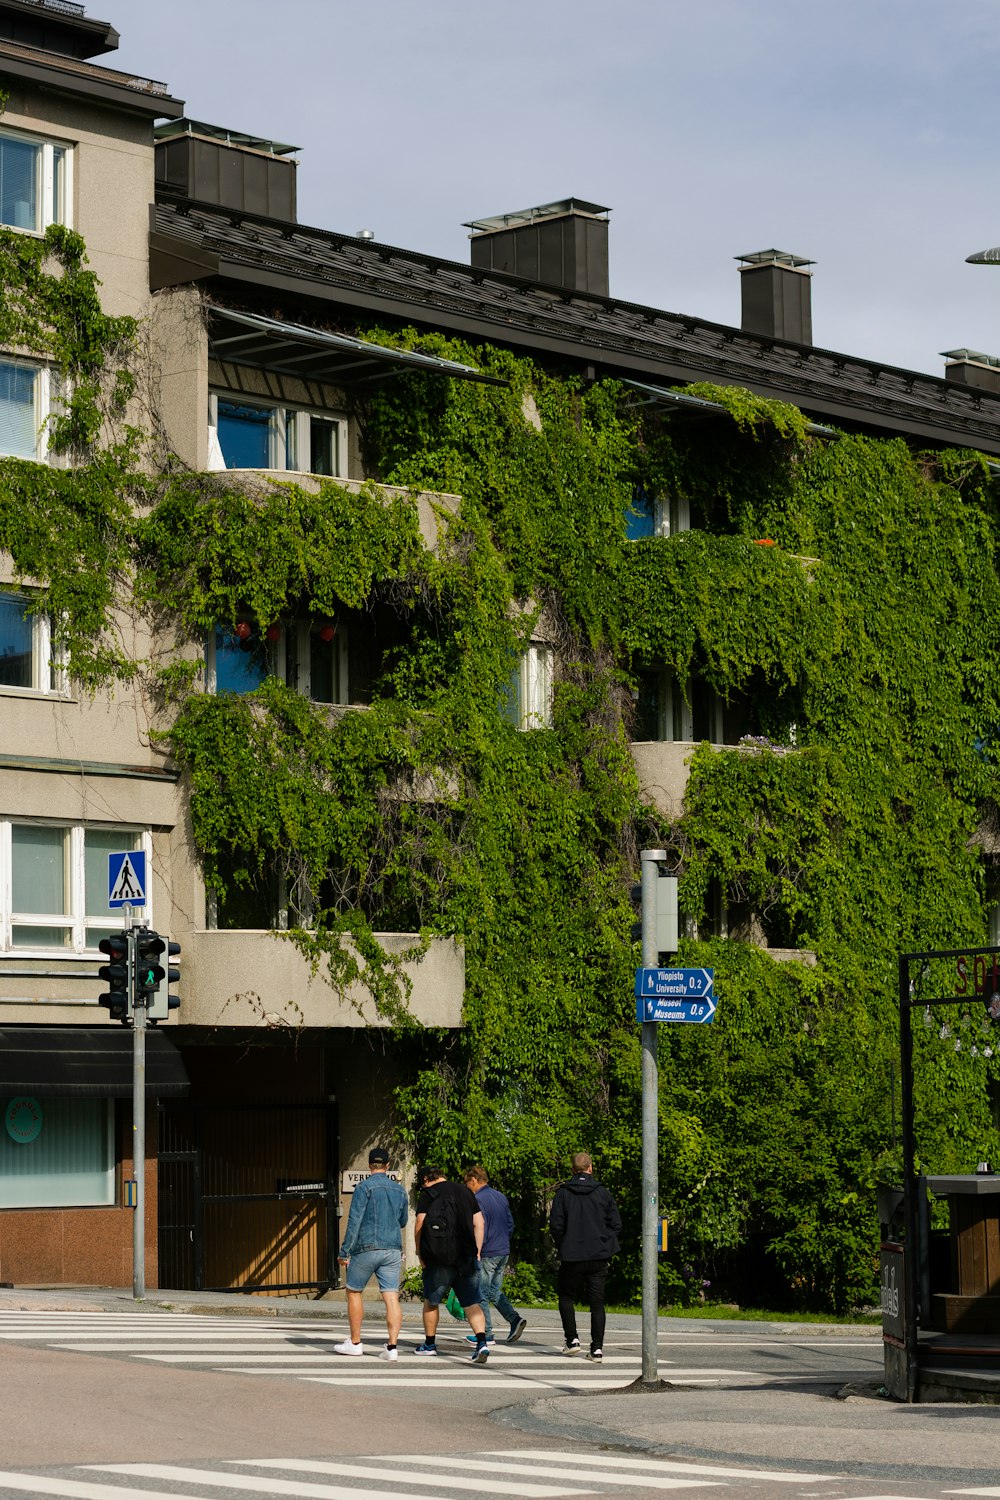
(373, 1246)
(499, 1222)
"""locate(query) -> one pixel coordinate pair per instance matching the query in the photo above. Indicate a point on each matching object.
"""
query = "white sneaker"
(348, 1348)
(388, 1353)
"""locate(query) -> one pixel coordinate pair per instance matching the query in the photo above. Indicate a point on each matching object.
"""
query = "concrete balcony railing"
(433, 509)
(260, 979)
(664, 768)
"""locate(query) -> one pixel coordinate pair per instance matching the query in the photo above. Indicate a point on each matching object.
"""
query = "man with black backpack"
(449, 1232)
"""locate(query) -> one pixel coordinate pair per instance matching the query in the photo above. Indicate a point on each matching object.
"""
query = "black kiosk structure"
(941, 1289)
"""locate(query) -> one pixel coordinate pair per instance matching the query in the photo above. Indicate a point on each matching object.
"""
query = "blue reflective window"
(16, 642)
(240, 666)
(245, 435)
(19, 173)
(640, 518)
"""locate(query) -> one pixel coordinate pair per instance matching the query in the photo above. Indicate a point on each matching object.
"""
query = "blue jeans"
(491, 1269)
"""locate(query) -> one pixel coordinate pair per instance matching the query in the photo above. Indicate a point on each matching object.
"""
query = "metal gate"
(247, 1197)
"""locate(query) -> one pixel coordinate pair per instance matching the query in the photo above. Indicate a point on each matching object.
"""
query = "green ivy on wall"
(846, 590)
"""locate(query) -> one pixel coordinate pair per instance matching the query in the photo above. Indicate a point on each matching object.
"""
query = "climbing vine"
(836, 596)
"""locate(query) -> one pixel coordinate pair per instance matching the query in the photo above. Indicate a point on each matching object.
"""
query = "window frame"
(287, 439)
(49, 676)
(528, 701)
(294, 669)
(74, 919)
(43, 406)
(50, 211)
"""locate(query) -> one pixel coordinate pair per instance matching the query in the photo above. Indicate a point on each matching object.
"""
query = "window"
(54, 885)
(668, 710)
(257, 435)
(25, 405)
(527, 703)
(26, 657)
(652, 515)
(309, 655)
(56, 1152)
(34, 182)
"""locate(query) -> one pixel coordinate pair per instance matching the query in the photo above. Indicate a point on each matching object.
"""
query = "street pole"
(910, 1254)
(138, 1118)
(650, 859)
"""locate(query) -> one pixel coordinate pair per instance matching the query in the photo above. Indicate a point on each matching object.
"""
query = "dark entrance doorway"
(247, 1197)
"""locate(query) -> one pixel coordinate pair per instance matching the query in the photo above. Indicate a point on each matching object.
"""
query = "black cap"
(378, 1155)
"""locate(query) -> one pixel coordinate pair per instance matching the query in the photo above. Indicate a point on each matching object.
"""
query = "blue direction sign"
(668, 1008)
(127, 878)
(675, 995)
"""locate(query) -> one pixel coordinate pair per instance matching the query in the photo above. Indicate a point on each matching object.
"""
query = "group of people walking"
(462, 1232)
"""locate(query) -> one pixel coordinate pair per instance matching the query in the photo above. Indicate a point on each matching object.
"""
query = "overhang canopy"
(91, 1060)
(655, 395)
(243, 338)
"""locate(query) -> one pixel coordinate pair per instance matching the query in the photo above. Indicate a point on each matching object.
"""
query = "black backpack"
(441, 1234)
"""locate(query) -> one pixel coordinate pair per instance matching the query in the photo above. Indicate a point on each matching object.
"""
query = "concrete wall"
(260, 979)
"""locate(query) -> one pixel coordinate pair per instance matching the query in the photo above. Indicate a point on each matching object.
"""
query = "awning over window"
(94, 1060)
(242, 338)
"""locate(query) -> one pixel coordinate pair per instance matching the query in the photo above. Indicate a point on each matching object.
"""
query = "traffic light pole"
(650, 859)
(138, 1114)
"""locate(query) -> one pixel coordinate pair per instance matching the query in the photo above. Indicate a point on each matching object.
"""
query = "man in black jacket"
(585, 1225)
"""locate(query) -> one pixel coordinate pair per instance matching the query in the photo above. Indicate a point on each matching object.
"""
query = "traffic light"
(117, 998)
(149, 972)
(160, 1004)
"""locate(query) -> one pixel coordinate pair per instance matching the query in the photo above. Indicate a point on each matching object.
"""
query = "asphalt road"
(104, 1400)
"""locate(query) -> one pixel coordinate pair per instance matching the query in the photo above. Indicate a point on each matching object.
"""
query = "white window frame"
(529, 704)
(50, 211)
(44, 393)
(49, 677)
(288, 428)
(279, 666)
(75, 918)
(671, 516)
(677, 713)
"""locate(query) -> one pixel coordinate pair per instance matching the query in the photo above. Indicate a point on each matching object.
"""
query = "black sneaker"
(596, 1355)
(516, 1330)
(573, 1347)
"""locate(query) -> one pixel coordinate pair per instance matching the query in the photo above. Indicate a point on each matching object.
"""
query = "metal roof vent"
(777, 295)
(969, 367)
(562, 244)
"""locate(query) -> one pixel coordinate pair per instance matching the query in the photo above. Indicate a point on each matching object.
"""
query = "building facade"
(270, 1082)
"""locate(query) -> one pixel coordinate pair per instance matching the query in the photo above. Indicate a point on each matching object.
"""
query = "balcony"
(255, 978)
(434, 511)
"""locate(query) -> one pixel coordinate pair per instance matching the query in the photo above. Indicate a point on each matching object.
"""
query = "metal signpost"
(127, 889)
(685, 995)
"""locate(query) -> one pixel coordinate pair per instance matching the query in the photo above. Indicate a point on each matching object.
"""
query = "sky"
(858, 133)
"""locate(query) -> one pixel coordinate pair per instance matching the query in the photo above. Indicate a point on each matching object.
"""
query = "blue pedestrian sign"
(127, 878)
(686, 995)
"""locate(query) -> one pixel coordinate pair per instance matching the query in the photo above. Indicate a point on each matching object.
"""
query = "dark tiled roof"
(613, 336)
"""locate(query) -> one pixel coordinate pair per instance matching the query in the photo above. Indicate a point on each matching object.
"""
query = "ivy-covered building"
(390, 605)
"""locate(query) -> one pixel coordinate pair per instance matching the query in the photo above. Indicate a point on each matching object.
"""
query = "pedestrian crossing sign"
(127, 878)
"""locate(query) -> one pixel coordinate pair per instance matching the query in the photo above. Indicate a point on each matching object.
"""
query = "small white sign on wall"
(350, 1180)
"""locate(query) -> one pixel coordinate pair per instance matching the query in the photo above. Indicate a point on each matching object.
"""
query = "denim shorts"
(364, 1264)
(463, 1280)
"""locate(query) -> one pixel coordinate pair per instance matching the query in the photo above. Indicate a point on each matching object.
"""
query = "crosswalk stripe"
(580, 1474)
(272, 1486)
(460, 1382)
(498, 1486)
(77, 1489)
(660, 1464)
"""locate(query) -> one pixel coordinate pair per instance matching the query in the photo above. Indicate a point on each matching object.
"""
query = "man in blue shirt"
(373, 1246)
(499, 1221)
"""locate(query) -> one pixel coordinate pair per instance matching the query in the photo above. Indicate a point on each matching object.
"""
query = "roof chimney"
(777, 295)
(968, 367)
(563, 244)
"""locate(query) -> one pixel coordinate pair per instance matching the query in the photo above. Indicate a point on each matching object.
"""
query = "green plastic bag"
(453, 1305)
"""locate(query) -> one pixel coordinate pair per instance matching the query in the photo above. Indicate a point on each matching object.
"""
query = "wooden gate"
(247, 1197)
